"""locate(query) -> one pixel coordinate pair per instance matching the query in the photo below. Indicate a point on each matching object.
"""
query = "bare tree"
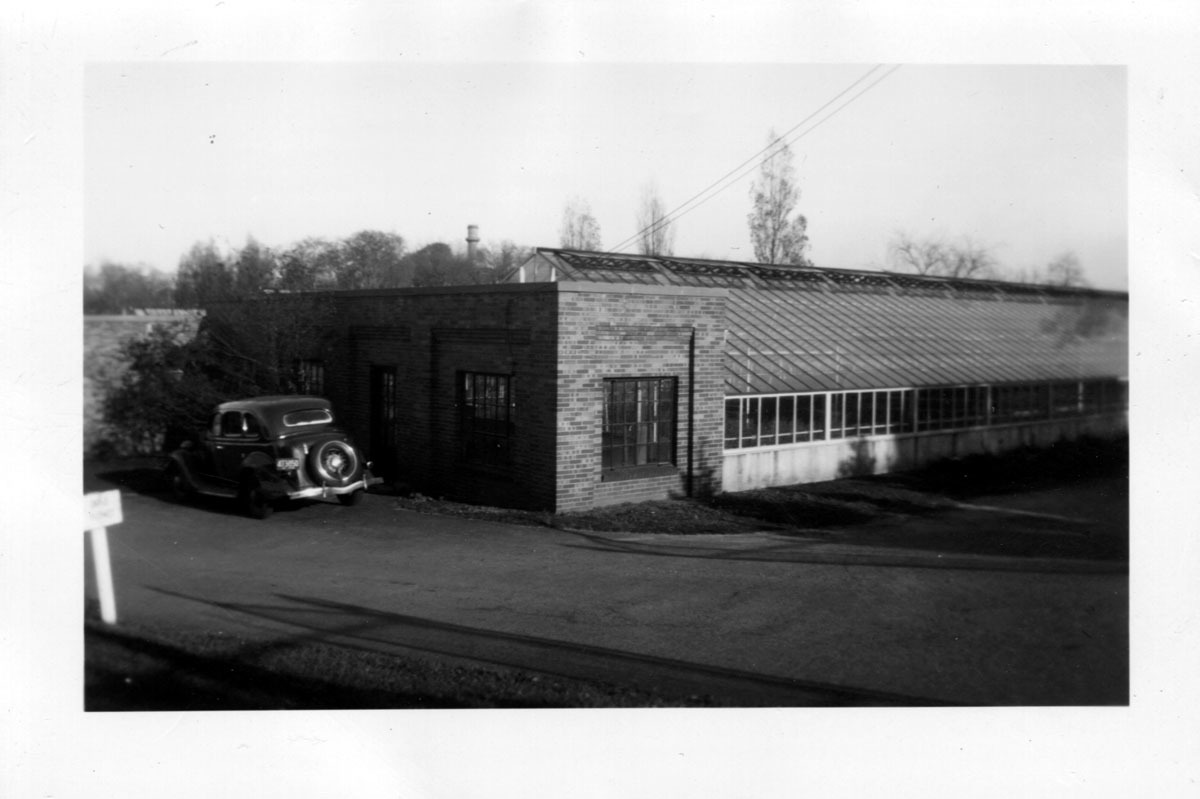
(969, 259)
(656, 233)
(502, 258)
(1065, 270)
(778, 237)
(580, 230)
(933, 256)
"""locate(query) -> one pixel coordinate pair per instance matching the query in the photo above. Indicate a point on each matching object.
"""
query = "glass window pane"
(251, 426)
(231, 424)
(750, 422)
(767, 421)
(733, 412)
(866, 413)
(787, 421)
(639, 419)
(804, 418)
(485, 418)
(852, 414)
(896, 411)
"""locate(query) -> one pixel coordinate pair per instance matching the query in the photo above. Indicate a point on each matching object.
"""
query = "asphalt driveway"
(772, 618)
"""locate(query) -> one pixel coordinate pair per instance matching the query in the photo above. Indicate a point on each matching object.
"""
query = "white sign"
(101, 509)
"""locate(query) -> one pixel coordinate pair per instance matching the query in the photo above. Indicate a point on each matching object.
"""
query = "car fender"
(186, 462)
(258, 460)
(260, 467)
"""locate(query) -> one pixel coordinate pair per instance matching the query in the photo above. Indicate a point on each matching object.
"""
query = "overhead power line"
(741, 170)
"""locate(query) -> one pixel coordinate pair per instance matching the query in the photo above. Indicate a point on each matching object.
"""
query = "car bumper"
(320, 492)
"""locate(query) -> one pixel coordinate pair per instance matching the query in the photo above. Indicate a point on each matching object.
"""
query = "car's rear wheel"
(254, 499)
(333, 463)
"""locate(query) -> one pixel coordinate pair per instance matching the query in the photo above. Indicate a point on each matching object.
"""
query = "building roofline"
(828, 275)
(588, 287)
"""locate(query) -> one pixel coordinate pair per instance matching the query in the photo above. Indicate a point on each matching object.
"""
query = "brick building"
(592, 378)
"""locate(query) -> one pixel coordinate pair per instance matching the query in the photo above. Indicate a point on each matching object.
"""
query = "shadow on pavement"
(127, 672)
(354, 626)
(824, 550)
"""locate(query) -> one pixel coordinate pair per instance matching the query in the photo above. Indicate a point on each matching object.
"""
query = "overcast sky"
(1030, 161)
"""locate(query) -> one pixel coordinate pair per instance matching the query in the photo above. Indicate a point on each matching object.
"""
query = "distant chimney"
(472, 241)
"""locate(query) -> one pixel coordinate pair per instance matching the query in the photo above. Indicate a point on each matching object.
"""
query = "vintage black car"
(267, 449)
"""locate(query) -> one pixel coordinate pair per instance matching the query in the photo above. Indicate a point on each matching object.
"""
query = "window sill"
(637, 473)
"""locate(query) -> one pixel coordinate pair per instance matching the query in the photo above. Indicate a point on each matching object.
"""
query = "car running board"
(215, 491)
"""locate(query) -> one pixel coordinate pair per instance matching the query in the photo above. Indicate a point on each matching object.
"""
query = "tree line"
(366, 260)
(377, 259)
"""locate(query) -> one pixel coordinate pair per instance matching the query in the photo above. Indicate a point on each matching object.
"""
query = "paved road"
(763, 618)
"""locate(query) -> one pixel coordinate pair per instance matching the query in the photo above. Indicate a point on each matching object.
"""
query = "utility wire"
(740, 170)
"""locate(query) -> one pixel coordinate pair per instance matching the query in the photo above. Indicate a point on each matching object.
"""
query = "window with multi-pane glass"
(639, 422)
(310, 376)
(772, 420)
(486, 415)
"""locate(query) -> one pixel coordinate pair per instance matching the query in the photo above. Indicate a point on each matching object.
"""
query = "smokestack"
(472, 241)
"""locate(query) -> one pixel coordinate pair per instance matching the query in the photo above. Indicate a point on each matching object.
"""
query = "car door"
(239, 434)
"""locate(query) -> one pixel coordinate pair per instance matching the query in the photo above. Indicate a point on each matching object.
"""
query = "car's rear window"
(307, 416)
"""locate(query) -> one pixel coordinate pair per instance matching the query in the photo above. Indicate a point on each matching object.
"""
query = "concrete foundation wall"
(830, 460)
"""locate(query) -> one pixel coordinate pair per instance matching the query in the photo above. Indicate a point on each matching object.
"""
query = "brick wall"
(558, 342)
(430, 336)
(629, 332)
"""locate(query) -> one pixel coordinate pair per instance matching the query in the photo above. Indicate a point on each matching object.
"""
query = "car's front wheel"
(254, 500)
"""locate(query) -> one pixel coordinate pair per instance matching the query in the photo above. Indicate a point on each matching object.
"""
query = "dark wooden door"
(382, 445)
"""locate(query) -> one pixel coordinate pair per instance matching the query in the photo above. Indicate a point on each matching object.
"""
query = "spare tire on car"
(334, 463)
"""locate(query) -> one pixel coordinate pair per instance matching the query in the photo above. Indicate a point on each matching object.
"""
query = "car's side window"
(252, 427)
(231, 424)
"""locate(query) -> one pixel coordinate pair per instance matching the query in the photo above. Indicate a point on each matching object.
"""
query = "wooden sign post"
(101, 510)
